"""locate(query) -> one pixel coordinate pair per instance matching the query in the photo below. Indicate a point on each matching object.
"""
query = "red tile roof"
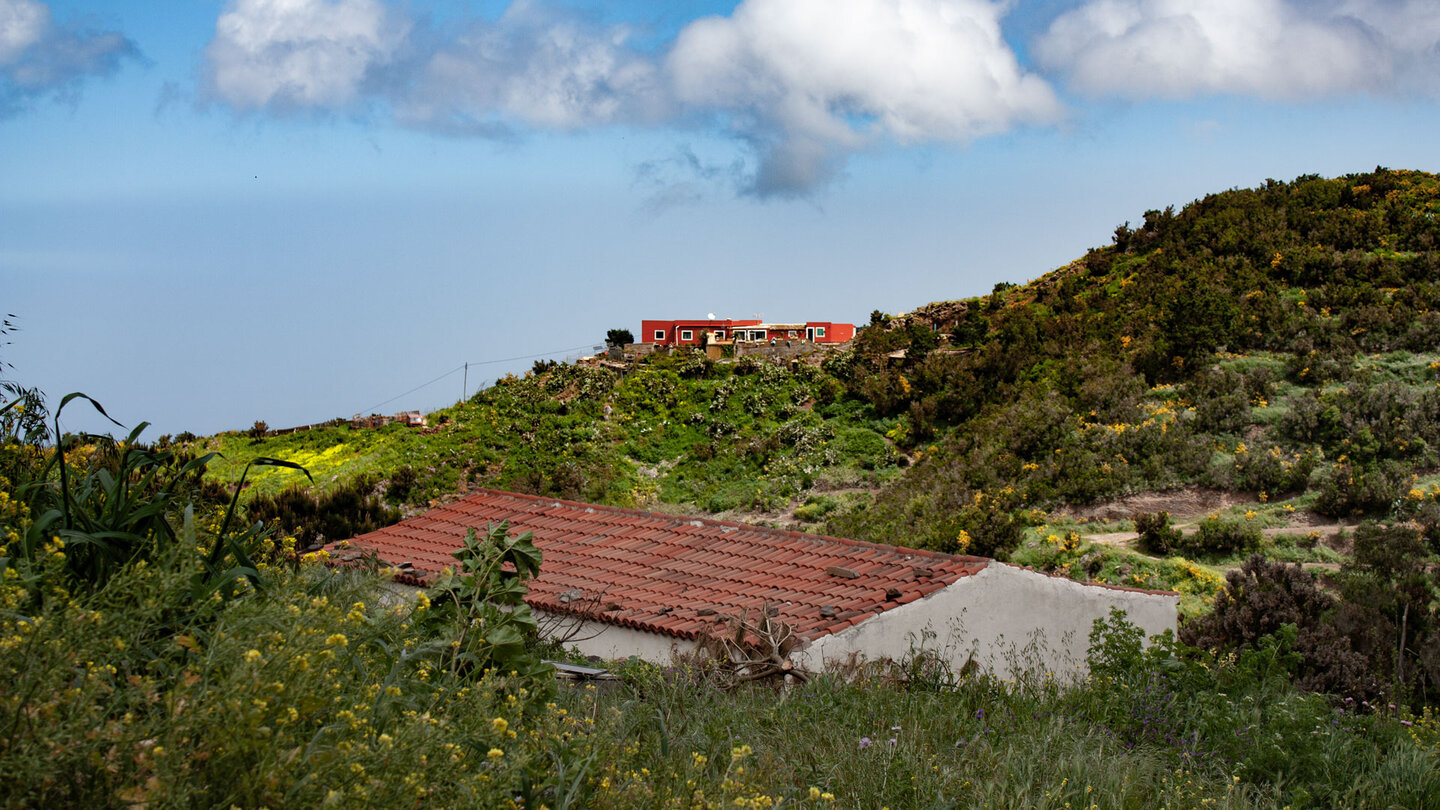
(673, 575)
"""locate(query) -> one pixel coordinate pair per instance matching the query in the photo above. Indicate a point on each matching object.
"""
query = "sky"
(214, 212)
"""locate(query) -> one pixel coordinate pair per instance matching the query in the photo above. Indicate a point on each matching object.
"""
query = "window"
(757, 334)
(720, 333)
(819, 331)
(686, 334)
(659, 334)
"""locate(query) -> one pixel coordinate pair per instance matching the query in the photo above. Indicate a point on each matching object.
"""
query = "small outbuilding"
(651, 585)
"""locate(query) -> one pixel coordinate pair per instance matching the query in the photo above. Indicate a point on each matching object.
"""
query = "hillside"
(1277, 342)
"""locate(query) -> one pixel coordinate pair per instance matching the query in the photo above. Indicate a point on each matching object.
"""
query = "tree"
(618, 337)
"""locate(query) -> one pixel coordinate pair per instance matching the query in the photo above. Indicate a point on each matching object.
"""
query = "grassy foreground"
(326, 689)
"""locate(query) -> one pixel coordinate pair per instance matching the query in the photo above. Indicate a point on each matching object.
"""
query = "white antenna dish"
(710, 317)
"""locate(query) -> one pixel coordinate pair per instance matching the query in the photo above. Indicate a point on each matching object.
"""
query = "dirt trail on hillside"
(1182, 504)
(1187, 507)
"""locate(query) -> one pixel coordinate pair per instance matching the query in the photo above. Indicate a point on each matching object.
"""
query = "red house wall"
(672, 330)
(834, 332)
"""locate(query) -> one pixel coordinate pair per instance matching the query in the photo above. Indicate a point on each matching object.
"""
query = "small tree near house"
(618, 337)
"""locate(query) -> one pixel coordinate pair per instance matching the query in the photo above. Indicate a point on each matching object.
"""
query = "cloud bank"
(801, 84)
(804, 83)
(40, 58)
(1270, 49)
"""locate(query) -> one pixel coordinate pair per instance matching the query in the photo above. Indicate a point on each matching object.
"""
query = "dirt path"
(1187, 507)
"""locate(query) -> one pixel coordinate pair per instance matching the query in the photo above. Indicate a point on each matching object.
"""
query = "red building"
(689, 332)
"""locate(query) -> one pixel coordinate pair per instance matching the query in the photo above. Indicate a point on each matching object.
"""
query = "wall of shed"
(1008, 619)
(610, 641)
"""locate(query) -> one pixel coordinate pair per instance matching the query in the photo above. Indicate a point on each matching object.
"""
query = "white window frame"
(819, 331)
(687, 334)
(659, 334)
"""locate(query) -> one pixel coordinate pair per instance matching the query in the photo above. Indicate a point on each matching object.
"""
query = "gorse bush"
(1220, 537)
(1156, 535)
(1347, 489)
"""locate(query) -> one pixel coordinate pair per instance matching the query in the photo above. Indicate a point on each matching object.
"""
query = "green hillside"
(1256, 373)
(1277, 343)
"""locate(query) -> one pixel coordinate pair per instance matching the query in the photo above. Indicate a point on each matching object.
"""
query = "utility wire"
(413, 390)
(372, 408)
(532, 356)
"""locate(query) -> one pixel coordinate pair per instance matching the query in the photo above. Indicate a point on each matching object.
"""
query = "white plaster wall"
(609, 641)
(1007, 618)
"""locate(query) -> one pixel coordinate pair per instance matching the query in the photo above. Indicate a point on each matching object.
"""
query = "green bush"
(1157, 536)
(402, 483)
(339, 514)
(1347, 489)
(1221, 537)
(815, 508)
(861, 447)
(1273, 471)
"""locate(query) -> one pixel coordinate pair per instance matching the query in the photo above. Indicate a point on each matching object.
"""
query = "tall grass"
(329, 689)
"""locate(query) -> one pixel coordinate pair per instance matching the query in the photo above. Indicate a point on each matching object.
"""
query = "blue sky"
(217, 211)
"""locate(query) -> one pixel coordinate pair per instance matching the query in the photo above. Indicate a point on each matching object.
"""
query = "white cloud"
(22, 23)
(291, 54)
(808, 81)
(1273, 49)
(804, 83)
(39, 57)
(540, 69)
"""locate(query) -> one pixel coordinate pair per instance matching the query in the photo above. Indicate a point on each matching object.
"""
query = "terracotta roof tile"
(661, 569)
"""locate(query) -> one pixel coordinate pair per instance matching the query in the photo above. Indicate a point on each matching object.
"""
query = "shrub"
(341, 513)
(1157, 536)
(1261, 599)
(984, 530)
(1348, 489)
(1222, 537)
(1389, 612)
(1273, 471)
(401, 483)
(861, 446)
(1221, 402)
(815, 508)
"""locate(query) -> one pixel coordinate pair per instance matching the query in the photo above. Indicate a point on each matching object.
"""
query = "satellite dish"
(710, 317)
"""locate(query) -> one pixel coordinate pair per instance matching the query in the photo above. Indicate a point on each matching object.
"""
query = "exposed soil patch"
(1182, 504)
(1188, 506)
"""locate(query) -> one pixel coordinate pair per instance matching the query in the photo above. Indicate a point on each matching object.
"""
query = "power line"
(532, 356)
(416, 388)
(462, 367)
